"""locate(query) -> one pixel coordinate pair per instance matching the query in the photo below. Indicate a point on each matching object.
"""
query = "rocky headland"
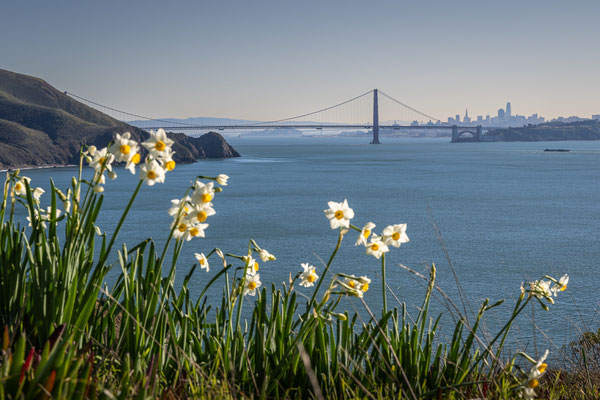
(552, 131)
(42, 126)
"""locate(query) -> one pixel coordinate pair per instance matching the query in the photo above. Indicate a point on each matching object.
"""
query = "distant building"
(457, 118)
(479, 119)
(501, 114)
(467, 119)
(450, 120)
(596, 116)
(508, 110)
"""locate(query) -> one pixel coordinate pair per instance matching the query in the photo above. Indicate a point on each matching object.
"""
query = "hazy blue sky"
(268, 60)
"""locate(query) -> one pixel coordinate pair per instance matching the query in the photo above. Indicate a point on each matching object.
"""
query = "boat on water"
(559, 150)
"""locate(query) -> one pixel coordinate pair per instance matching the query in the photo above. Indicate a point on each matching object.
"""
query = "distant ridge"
(41, 126)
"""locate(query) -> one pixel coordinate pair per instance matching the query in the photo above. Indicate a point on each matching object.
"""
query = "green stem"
(383, 291)
(504, 331)
(337, 247)
(118, 228)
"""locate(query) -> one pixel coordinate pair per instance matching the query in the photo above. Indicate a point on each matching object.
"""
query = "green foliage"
(68, 335)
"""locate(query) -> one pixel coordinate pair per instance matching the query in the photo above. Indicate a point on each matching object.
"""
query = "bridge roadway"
(308, 126)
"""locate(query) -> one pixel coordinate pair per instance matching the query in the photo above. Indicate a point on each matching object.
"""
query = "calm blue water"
(508, 212)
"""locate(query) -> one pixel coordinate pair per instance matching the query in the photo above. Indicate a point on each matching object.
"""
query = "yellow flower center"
(352, 284)
(136, 158)
(256, 266)
(170, 165)
(339, 214)
(563, 287)
(201, 261)
(201, 216)
(542, 368)
(365, 287)
(160, 145)
(374, 247)
(18, 186)
(311, 278)
(206, 197)
(252, 285)
(182, 227)
(366, 233)
(151, 175)
(533, 383)
(102, 160)
(194, 232)
(395, 236)
(125, 148)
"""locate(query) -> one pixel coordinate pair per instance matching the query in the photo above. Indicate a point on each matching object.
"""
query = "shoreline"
(29, 167)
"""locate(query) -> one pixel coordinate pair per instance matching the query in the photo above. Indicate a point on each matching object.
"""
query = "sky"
(266, 60)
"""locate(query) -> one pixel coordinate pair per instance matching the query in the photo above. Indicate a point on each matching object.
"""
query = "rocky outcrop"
(40, 125)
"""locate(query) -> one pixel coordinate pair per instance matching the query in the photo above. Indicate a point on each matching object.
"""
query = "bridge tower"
(375, 118)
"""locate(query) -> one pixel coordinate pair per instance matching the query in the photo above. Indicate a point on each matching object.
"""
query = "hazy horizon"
(269, 60)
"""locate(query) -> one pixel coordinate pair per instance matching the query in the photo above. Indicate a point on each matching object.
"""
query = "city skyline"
(267, 60)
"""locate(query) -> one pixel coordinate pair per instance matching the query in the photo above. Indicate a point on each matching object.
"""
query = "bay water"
(507, 213)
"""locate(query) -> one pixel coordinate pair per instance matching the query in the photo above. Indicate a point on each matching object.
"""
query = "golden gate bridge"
(363, 112)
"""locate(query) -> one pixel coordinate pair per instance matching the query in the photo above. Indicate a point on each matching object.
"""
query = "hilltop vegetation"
(582, 130)
(40, 125)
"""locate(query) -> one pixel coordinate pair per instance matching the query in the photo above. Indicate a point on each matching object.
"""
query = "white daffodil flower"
(376, 247)
(533, 377)
(158, 144)
(98, 189)
(266, 256)
(561, 285)
(196, 230)
(222, 179)
(351, 283)
(45, 216)
(309, 276)
(541, 289)
(364, 283)
(199, 212)
(102, 160)
(252, 265)
(183, 205)
(203, 193)
(124, 148)
(132, 162)
(252, 283)
(37, 194)
(395, 235)
(19, 186)
(365, 232)
(202, 260)
(152, 172)
(188, 232)
(339, 214)
(167, 160)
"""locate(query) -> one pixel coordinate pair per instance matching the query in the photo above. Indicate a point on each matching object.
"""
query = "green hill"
(40, 125)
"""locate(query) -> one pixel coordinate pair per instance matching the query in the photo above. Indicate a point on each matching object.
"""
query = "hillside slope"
(40, 125)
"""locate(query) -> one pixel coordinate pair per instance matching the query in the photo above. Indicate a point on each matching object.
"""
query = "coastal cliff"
(42, 126)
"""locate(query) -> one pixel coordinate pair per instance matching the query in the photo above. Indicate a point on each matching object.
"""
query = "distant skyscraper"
(457, 118)
(466, 119)
(500, 114)
(508, 110)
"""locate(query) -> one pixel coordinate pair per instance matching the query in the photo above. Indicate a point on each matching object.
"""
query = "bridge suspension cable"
(409, 107)
(125, 112)
(314, 112)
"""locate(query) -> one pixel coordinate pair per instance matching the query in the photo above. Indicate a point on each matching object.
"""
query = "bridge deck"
(308, 126)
